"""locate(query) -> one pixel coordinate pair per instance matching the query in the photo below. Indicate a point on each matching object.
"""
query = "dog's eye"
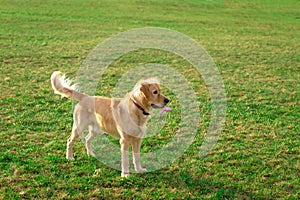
(155, 92)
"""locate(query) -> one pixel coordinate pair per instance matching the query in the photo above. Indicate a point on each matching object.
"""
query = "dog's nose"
(166, 100)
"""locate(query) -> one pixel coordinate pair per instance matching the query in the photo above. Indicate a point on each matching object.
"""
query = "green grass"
(255, 45)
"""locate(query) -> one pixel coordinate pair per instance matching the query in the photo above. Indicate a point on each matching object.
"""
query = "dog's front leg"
(125, 157)
(136, 145)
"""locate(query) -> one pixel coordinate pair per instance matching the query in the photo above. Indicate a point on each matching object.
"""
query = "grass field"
(255, 45)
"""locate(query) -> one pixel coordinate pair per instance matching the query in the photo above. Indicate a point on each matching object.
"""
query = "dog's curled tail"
(62, 86)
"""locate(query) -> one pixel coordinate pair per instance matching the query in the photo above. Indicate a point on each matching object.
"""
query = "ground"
(255, 46)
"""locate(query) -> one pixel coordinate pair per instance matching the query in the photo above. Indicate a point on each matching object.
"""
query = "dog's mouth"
(166, 101)
(156, 106)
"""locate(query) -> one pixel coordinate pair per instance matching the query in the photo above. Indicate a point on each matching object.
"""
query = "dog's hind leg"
(88, 140)
(78, 127)
(71, 140)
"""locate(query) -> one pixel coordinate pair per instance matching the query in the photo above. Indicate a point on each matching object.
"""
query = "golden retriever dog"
(124, 118)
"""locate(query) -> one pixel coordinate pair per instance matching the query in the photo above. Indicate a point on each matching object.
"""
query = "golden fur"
(124, 118)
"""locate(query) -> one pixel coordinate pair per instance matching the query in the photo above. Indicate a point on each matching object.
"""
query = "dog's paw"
(91, 153)
(142, 170)
(70, 158)
(124, 175)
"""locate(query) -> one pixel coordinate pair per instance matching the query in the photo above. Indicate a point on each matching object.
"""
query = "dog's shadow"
(180, 179)
(184, 180)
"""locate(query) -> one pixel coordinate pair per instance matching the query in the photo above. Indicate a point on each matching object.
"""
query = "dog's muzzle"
(166, 100)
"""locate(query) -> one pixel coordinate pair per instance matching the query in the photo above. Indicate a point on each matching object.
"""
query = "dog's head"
(149, 94)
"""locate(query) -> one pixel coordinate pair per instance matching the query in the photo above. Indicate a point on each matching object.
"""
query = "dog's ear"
(145, 89)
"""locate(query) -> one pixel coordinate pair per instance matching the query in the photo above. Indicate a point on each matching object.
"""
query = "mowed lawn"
(255, 45)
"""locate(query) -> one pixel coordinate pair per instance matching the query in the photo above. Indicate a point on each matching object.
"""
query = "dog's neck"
(139, 107)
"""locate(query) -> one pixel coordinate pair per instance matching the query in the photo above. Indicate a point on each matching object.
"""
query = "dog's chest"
(127, 121)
